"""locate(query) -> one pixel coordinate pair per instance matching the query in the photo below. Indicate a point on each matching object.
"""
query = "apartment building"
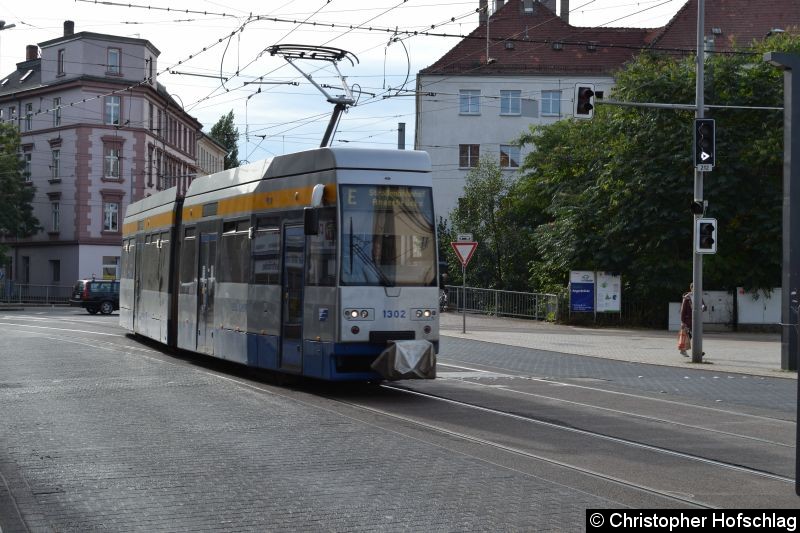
(97, 132)
(520, 67)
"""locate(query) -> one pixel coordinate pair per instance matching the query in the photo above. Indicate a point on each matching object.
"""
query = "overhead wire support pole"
(292, 52)
(697, 258)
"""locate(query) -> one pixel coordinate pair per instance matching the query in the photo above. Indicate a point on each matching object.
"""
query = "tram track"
(602, 436)
(642, 481)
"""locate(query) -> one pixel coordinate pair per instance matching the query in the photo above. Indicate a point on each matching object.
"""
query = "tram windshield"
(388, 236)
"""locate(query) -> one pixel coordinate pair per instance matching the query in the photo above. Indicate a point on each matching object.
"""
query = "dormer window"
(24, 76)
(3, 83)
(114, 61)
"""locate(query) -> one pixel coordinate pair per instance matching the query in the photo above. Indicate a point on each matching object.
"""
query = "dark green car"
(96, 295)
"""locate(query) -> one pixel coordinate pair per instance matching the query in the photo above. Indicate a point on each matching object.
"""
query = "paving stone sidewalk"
(748, 353)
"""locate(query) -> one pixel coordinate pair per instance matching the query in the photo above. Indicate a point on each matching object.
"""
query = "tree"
(227, 134)
(16, 212)
(615, 191)
(487, 211)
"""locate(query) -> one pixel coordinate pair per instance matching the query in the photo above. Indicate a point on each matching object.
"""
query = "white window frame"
(111, 262)
(469, 102)
(111, 159)
(512, 155)
(111, 216)
(511, 102)
(112, 110)
(551, 99)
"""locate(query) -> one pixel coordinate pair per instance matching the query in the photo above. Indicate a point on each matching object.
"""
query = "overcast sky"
(285, 118)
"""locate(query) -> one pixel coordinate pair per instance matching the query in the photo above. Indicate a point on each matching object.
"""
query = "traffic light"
(704, 143)
(584, 101)
(705, 240)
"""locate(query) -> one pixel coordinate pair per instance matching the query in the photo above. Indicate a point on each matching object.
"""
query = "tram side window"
(235, 254)
(150, 263)
(266, 252)
(321, 267)
(188, 267)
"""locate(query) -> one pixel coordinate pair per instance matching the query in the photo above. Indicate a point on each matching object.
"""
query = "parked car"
(96, 295)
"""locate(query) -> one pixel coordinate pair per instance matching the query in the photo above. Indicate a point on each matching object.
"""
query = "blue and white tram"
(310, 263)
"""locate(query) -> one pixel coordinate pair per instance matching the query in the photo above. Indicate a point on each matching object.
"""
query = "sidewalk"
(747, 353)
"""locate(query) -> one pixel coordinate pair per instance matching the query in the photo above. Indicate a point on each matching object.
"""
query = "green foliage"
(227, 134)
(613, 193)
(489, 212)
(16, 211)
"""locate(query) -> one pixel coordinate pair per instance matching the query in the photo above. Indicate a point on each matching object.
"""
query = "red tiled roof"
(522, 43)
(740, 22)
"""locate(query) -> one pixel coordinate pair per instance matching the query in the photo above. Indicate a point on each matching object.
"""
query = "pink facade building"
(97, 132)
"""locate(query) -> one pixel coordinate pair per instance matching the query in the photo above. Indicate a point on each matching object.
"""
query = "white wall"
(441, 127)
(759, 307)
(753, 307)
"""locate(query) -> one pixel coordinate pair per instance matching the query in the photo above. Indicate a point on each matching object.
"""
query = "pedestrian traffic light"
(705, 236)
(584, 101)
(704, 143)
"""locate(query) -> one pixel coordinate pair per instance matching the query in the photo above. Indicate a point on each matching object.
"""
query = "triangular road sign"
(464, 250)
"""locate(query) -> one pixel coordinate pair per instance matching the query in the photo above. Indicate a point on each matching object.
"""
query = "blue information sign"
(581, 292)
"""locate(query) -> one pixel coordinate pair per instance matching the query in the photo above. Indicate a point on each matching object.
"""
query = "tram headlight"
(359, 314)
(423, 314)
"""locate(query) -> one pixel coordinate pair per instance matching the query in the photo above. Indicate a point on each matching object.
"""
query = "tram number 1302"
(393, 313)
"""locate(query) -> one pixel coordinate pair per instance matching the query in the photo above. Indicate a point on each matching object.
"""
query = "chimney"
(483, 11)
(565, 11)
(69, 28)
(31, 52)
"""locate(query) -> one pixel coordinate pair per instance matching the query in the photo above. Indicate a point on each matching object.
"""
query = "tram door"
(206, 278)
(294, 243)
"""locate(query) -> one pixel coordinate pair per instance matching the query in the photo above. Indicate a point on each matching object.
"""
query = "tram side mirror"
(310, 221)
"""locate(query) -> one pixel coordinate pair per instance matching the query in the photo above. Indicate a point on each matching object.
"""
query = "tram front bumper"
(407, 360)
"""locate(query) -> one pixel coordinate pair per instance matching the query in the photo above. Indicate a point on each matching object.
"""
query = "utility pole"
(697, 263)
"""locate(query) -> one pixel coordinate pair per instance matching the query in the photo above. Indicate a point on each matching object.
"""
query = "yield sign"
(464, 250)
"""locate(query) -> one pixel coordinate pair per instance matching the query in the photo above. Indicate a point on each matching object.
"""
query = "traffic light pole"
(697, 263)
(790, 344)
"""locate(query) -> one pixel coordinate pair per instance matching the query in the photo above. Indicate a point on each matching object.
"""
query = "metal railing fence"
(27, 293)
(538, 306)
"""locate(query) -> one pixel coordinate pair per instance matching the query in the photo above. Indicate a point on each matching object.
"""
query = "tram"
(316, 263)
